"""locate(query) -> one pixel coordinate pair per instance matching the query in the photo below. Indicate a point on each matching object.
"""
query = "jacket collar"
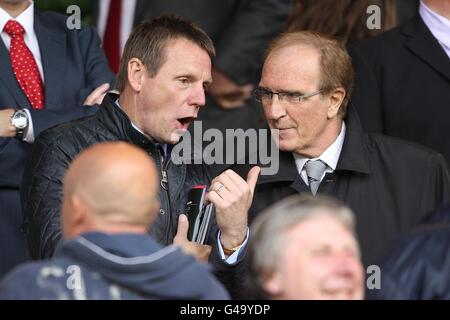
(354, 155)
(422, 43)
(138, 263)
(117, 121)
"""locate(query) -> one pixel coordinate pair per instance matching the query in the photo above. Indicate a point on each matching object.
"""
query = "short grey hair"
(268, 229)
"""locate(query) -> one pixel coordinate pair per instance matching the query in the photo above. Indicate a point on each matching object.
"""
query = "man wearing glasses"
(390, 185)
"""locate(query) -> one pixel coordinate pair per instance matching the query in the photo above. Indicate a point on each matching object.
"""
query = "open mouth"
(185, 122)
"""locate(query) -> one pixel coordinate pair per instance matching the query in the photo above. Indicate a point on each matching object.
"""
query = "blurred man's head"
(164, 72)
(314, 75)
(110, 187)
(304, 248)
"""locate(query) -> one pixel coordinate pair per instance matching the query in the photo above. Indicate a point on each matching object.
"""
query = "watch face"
(19, 120)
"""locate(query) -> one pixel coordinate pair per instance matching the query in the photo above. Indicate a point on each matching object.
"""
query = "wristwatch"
(19, 120)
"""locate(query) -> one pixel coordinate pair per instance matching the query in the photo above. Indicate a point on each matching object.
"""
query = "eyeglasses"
(264, 95)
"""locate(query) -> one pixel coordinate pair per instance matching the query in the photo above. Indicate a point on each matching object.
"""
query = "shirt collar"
(439, 25)
(26, 18)
(330, 156)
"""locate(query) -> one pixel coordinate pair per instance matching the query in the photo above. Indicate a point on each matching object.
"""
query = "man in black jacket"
(164, 71)
(402, 79)
(110, 199)
(389, 184)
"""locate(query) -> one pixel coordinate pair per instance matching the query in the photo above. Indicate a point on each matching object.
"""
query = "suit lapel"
(10, 81)
(52, 45)
(299, 185)
(425, 46)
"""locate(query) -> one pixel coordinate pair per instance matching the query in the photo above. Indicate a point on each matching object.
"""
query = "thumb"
(94, 95)
(252, 178)
(101, 89)
(182, 230)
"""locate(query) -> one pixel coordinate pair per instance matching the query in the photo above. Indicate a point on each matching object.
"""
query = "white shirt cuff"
(233, 258)
(29, 137)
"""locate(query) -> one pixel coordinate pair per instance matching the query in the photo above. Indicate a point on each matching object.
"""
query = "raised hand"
(232, 197)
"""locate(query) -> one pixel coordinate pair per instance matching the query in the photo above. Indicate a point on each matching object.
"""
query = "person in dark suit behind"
(416, 265)
(343, 19)
(405, 10)
(60, 69)
(402, 83)
(110, 199)
(389, 184)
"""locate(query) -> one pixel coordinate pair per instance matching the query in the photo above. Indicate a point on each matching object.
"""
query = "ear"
(136, 71)
(272, 284)
(78, 217)
(335, 99)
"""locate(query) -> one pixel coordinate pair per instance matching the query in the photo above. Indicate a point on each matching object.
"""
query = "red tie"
(24, 66)
(111, 39)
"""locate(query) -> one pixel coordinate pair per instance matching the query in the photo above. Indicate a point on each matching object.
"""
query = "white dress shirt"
(126, 19)
(330, 157)
(26, 19)
(438, 25)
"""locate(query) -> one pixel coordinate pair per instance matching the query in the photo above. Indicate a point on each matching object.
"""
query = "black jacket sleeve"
(41, 194)
(232, 276)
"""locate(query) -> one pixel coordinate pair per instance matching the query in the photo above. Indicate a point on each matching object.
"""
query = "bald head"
(110, 187)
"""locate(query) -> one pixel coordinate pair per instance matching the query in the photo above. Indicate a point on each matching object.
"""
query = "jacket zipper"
(165, 186)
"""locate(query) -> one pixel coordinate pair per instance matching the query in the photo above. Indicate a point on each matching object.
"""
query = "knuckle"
(239, 194)
(226, 204)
